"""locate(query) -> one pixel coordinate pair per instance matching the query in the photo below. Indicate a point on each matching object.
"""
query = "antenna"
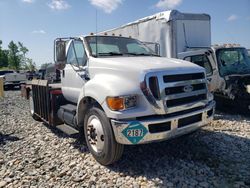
(96, 47)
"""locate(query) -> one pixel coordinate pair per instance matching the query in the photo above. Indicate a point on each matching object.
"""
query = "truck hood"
(145, 64)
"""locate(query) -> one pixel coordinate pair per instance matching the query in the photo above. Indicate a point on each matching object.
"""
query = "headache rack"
(44, 97)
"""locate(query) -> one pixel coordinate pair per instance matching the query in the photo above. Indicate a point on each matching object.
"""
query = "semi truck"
(115, 91)
(187, 36)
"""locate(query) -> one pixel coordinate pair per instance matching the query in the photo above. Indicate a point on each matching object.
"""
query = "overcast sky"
(37, 23)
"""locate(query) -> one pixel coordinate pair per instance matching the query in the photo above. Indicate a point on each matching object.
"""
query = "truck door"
(74, 74)
(203, 58)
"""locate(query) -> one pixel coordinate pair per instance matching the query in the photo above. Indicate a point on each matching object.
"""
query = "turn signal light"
(115, 103)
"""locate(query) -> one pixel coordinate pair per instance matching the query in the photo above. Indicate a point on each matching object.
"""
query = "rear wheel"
(100, 138)
(32, 111)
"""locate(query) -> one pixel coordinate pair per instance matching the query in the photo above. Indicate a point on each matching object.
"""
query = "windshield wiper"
(110, 54)
(141, 54)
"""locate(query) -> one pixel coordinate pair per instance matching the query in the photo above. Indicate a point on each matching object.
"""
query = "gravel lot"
(35, 155)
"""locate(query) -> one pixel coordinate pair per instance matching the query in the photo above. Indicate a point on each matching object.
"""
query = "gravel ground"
(35, 155)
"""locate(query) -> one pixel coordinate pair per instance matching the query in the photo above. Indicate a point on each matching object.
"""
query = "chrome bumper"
(138, 131)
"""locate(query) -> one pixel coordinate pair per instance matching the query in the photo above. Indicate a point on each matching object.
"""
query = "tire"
(31, 102)
(100, 138)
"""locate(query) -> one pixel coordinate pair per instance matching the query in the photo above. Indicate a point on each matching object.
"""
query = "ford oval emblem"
(188, 88)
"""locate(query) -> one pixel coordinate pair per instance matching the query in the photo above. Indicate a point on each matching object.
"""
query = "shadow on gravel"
(228, 157)
(232, 116)
(4, 138)
(78, 143)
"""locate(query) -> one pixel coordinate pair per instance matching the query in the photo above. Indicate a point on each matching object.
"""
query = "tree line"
(15, 57)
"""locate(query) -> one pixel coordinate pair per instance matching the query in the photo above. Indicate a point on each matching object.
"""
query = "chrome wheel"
(95, 133)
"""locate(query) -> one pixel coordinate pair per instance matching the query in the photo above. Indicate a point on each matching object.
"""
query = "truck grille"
(182, 77)
(178, 92)
(185, 100)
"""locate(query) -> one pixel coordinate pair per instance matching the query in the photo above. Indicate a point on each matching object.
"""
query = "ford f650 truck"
(187, 36)
(115, 91)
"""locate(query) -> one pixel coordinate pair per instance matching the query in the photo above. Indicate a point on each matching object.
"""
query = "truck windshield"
(233, 61)
(117, 46)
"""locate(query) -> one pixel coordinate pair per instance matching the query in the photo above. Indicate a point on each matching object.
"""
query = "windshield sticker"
(135, 132)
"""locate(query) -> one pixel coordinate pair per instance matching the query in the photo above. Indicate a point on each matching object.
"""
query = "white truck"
(187, 36)
(115, 91)
(12, 79)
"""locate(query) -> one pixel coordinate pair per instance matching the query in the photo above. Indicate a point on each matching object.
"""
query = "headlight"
(121, 102)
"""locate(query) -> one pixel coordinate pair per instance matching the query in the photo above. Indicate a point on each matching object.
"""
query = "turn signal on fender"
(119, 103)
(115, 103)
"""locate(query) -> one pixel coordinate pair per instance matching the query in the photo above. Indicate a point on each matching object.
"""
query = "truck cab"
(232, 75)
(116, 91)
(226, 67)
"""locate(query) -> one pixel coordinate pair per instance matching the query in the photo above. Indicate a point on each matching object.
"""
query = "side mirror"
(60, 54)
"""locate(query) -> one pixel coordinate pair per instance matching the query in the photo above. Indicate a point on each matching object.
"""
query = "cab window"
(135, 48)
(201, 60)
(76, 54)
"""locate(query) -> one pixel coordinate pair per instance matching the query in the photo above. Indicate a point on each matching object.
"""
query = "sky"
(36, 23)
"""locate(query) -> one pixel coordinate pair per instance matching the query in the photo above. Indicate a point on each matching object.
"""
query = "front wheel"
(100, 138)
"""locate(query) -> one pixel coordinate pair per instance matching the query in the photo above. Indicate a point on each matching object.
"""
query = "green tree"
(13, 56)
(24, 51)
(3, 56)
(30, 65)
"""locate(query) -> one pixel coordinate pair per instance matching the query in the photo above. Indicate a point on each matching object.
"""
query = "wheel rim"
(95, 133)
(31, 105)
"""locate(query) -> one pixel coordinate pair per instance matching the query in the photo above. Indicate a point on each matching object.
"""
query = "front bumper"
(158, 128)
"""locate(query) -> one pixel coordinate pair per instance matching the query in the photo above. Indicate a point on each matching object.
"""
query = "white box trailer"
(176, 32)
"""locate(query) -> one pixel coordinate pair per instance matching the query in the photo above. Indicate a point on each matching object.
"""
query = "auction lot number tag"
(135, 132)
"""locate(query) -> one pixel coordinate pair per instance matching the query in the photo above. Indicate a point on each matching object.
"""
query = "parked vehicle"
(188, 36)
(52, 74)
(248, 53)
(232, 76)
(12, 79)
(116, 91)
(41, 74)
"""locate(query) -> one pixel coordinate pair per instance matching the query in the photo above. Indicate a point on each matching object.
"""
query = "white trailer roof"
(169, 16)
